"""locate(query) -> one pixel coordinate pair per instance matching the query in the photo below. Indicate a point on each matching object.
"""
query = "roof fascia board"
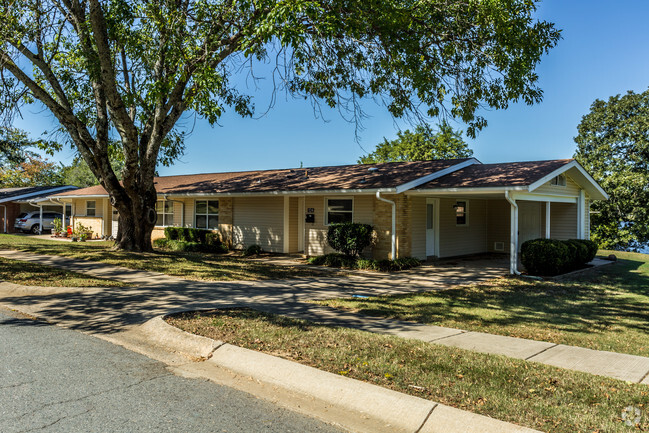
(32, 194)
(563, 169)
(460, 190)
(279, 193)
(250, 194)
(422, 180)
(65, 197)
(543, 197)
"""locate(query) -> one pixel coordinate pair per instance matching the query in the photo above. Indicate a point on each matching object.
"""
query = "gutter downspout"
(393, 248)
(513, 241)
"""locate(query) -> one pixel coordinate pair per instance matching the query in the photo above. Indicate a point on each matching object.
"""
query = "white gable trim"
(32, 194)
(561, 170)
(435, 175)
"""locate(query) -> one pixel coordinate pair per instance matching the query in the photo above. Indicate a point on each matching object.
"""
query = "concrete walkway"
(115, 309)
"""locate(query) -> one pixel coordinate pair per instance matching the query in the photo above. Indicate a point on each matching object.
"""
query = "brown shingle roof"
(357, 176)
(341, 177)
(497, 175)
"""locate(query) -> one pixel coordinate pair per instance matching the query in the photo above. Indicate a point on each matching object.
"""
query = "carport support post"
(513, 236)
(547, 220)
(40, 222)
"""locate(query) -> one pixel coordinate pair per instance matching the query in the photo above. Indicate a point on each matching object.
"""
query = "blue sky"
(604, 51)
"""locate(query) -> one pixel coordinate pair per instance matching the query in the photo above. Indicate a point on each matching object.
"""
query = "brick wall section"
(13, 210)
(404, 233)
(383, 226)
(225, 220)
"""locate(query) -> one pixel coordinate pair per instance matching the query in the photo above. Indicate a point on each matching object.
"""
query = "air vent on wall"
(499, 246)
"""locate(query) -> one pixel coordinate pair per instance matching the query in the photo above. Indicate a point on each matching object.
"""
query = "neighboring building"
(439, 208)
(14, 201)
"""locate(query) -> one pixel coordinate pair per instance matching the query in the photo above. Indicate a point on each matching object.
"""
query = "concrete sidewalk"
(109, 310)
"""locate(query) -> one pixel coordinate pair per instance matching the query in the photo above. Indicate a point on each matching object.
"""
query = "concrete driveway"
(115, 309)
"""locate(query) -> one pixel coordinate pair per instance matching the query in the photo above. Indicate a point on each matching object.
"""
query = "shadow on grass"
(201, 266)
(599, 299)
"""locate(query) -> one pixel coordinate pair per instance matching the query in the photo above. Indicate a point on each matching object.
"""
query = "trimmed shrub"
(185, 239)
(591, 246)
(186, 234)
(161, 242)
(579, 252)
(252, 250)
(546, 256)
(171, 233)
(349, 238)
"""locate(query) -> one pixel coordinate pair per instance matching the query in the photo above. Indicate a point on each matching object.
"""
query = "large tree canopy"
(130, 69)
(421, 145)
(613, 145)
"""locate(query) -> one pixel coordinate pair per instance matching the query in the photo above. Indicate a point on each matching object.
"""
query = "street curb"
(178, 341)
(365, 407)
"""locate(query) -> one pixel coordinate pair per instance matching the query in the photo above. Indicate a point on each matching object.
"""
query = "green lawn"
(197, 266)
(606, 308)
(33, 274)
(534, 395)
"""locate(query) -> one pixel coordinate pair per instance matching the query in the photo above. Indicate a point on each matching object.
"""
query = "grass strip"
(195, 266)
(606, 308)
(33, 274)
(529, 394)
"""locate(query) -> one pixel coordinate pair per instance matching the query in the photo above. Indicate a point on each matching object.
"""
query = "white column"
(286, 224)
(513, 247)
(40, 223)
(581, 210)
(547, 220)
(300, 224)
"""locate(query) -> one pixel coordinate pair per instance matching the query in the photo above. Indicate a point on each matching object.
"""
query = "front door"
(529, 221)
(430, 227)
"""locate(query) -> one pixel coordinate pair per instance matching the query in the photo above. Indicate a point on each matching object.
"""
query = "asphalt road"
(57, 380)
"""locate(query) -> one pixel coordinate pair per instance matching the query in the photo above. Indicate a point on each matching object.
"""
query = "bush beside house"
(351, 239)
(549, 257)
(186, 239)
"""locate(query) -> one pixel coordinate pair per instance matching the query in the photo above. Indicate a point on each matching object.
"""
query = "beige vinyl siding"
(293, 224)
(316, 233)
(259, 221)
(189, 212)
(80, 206)
(418, 227)
(563, 220)
(462, 240)
(498, 224)
(571, 189)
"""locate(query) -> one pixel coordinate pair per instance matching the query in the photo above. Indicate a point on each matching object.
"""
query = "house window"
(559, 180)
(339, 210)
(461, 213)
(165, 211)
(91, 207)
(207, 214)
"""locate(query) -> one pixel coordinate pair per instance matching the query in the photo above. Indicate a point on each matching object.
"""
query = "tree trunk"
(134, 233)
(137, 217)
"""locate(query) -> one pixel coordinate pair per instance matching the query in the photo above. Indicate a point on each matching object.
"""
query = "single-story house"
(439, 208)
(14, 201)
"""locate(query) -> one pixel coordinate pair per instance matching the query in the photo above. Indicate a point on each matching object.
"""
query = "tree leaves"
(613, 145)
(422, 145)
